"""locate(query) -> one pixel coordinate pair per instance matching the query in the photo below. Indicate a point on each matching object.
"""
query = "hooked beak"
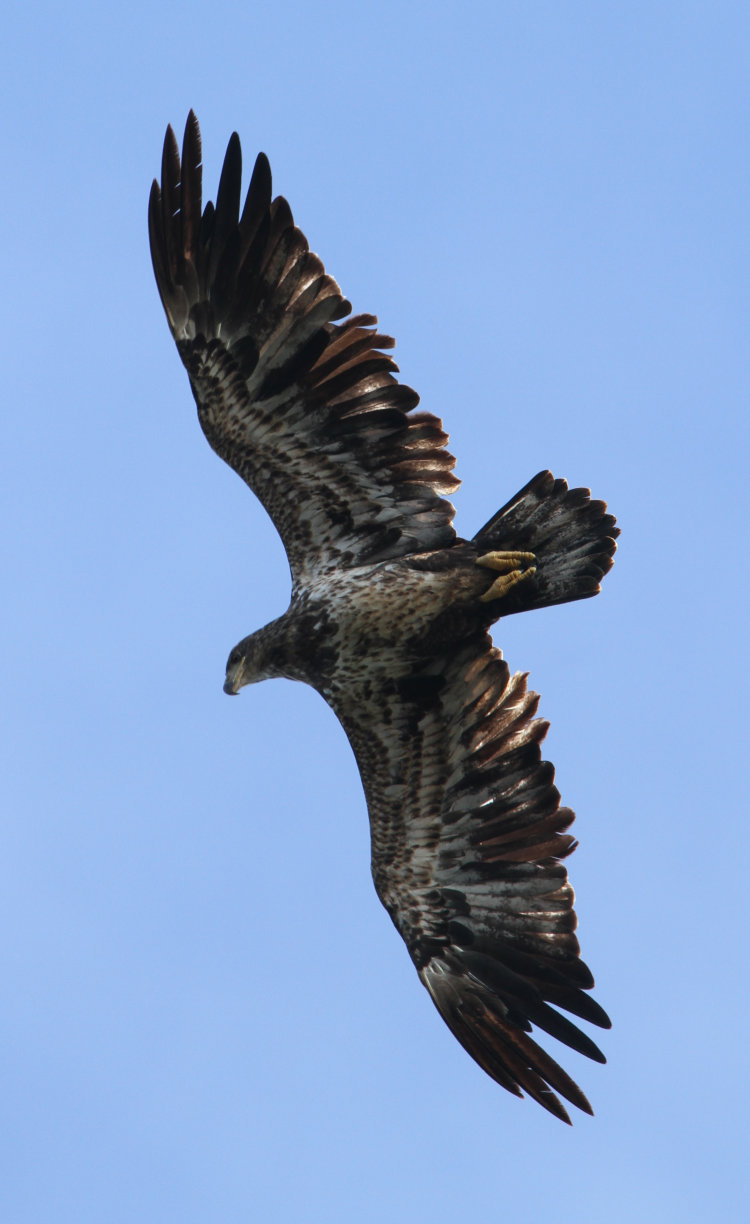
(229, 687)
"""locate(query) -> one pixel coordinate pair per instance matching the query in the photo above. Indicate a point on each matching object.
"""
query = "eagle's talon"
(508, 565)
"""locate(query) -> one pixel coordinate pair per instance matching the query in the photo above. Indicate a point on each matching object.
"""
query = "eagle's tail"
(571, 536)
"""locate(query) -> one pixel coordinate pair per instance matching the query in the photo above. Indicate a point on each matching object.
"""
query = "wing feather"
(468, 838)
(305, 408)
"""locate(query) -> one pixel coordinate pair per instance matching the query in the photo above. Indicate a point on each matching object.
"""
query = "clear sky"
(206, 1015)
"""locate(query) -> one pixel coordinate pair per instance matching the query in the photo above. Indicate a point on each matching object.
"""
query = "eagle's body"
(390, 612)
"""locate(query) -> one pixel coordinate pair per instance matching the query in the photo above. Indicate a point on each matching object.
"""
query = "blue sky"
(206, 1014)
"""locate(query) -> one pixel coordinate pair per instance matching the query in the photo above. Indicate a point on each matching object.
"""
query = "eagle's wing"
(306, 410)
(467, 838)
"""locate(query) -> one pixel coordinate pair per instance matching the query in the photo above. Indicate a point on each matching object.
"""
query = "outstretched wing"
(467, 840)
(305, 409)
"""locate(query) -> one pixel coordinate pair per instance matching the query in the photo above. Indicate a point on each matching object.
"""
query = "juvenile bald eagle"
(390, 611)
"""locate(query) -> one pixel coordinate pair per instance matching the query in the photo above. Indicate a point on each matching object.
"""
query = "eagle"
(390, 611)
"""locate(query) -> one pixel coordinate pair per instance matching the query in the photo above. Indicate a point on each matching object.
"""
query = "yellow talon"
(508, 565)
(503, 562)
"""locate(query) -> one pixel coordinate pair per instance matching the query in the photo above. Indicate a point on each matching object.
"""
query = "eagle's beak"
(230, 688)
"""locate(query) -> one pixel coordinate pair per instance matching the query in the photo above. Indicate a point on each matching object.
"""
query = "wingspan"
(467, 839)
(305, 409)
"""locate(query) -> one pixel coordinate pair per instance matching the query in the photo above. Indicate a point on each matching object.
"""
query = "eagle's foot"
(510, 566)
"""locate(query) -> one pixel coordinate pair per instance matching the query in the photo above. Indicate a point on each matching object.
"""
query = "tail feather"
(571, 536)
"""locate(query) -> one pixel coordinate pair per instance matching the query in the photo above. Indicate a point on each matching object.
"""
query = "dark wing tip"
(192, 135)
(485, 1027)
(227, 209)
(170, 158)
(192, 149)
(262, 168)
(232, 168)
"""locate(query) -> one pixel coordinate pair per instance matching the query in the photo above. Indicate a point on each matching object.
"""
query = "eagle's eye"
(234, 658)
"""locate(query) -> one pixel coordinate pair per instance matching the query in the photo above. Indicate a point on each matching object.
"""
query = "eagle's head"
(239, 668)
(257, 657)
(247, 664)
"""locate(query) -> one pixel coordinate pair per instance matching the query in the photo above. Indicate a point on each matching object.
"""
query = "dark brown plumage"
(390, 610)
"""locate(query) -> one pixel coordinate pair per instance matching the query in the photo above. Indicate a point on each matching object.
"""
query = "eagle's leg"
(510, 567)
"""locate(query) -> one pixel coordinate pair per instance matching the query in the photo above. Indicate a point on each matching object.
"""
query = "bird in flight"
(390, 611)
